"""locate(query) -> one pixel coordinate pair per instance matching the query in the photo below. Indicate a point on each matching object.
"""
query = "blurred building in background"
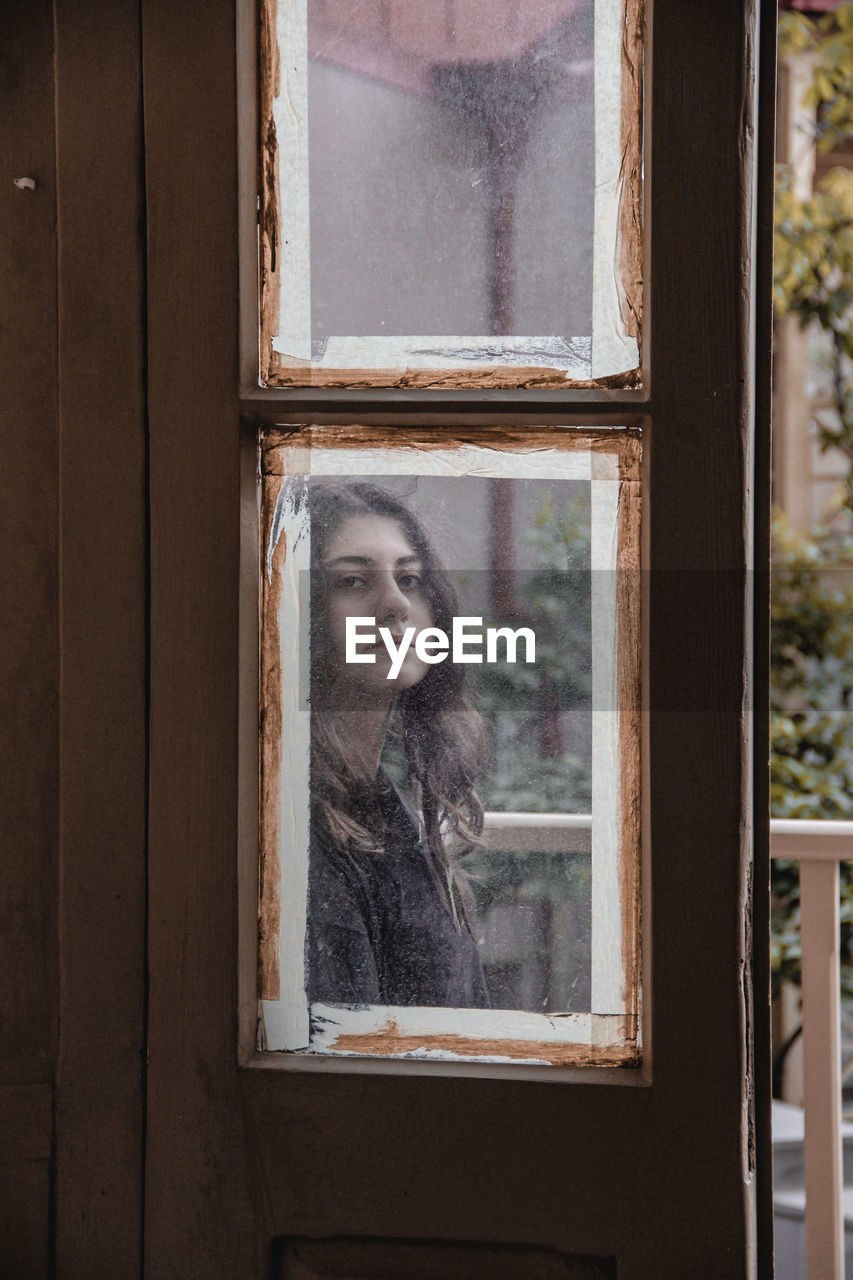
(806, 479)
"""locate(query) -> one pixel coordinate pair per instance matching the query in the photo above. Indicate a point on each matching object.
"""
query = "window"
(451, 193)
(523, 546)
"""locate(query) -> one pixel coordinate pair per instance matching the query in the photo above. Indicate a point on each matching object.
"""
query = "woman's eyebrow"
(367, 563)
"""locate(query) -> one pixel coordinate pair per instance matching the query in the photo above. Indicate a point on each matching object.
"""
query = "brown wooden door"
(253, 1167)
(650, 1173)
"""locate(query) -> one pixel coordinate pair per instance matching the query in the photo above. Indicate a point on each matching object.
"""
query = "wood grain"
(99, 1101)
(490, 377)
(29, 503)
(630, 244)
(388, 1044)
(629, 596)
(431, 1260)
(29, 638)
(200, 1221)
(270, 200)
(269, 898)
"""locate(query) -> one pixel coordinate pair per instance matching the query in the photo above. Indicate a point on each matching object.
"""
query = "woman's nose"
(391, 601)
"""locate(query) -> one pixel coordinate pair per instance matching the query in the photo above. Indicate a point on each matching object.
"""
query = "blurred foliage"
(811, 697)
(532, 769)
(813, 243)
(828, 42)
(812, 585)
(525, 772)
(813, 279)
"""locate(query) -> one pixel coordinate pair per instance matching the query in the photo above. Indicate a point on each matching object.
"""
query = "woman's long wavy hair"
(440, 730)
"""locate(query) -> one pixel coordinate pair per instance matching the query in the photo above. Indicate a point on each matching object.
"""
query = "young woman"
(389, 911)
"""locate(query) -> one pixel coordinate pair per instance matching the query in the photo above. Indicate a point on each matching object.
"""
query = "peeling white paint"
(290, 113)
(608, 977)
(466, 460)
(613, 351)
(571, 355)
(286, 1020)
(333, 1023)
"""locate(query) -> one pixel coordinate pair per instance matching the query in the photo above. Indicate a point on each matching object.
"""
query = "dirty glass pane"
(451, 190)
(450, 769)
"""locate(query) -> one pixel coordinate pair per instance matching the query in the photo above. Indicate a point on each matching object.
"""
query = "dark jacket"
(380, 930)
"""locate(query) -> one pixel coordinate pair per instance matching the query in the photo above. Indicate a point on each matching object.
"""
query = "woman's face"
(373, 571)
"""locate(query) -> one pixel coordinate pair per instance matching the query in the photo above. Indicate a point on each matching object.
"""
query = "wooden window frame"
(616, 314)
(609, 1032)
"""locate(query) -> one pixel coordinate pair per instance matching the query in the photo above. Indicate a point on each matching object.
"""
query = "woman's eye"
(410, 582)
(351, 582)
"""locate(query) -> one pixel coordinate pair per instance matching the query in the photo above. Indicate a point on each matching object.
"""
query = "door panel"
(654, 1167)
(394, 1260)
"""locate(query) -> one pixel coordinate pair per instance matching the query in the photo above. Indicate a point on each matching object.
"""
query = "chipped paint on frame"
(268, 180)
(577, 1040)
(630, 727)
(630, 239)
(274, 550)
(487, 378)
(288, 450)
(285, 552)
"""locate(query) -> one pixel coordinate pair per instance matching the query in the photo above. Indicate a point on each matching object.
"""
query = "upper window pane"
(451, 192)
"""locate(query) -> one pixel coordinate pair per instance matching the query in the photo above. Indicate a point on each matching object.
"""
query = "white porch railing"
(819, 846)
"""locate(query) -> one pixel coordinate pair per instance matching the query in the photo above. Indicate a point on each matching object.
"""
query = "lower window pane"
(450, 755)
